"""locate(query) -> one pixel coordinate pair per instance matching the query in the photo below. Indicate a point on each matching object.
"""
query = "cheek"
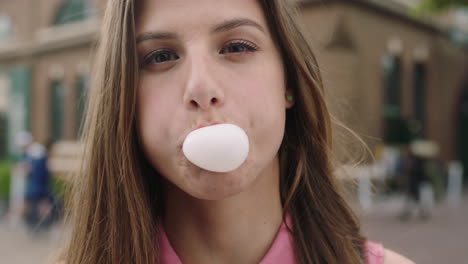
(153, 114)
(265, 94)
(262, 101)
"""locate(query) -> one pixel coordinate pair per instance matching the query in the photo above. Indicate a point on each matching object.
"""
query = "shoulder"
(392, 257)
(377, 254)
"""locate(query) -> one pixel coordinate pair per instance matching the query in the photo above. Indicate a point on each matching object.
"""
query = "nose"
(202, 88)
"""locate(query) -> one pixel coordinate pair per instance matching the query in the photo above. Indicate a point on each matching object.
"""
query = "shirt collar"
(281, 250)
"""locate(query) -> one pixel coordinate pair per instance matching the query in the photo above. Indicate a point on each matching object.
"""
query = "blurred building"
(378, 62)
(45, 49)
(381, 65)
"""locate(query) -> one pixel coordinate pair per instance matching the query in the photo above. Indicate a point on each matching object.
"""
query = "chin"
(213, 186)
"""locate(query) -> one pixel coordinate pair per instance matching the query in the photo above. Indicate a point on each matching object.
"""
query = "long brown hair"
(116, 198)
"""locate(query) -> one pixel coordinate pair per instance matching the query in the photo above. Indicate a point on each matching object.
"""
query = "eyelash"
(246, 45)
(249, 46)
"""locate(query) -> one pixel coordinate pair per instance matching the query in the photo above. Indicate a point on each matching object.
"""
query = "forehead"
(186, 15)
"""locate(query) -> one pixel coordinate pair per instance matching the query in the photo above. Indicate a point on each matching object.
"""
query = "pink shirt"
(281, 251)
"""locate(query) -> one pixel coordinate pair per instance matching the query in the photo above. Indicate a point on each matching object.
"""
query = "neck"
(238, 229)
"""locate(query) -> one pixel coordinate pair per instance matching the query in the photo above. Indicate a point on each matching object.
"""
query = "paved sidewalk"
(441, 239)
(19, 247)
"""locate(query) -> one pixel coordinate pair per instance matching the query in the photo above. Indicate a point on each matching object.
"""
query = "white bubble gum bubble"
(218, 148)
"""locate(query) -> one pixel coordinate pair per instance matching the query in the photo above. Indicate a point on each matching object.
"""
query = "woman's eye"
(238, 46)
(160, 56)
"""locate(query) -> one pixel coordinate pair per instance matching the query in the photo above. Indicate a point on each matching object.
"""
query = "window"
(419, 96)
(57, 91)
(392, 86)
(462, 139)
(396, 128)
(71, 11)
(18, 83)
(3, 135)
(5, 26)
(4, 87)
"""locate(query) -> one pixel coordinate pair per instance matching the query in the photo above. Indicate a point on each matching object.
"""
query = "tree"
(437, 5)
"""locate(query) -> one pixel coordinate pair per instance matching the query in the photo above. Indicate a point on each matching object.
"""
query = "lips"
(205, 125)
(179, 146)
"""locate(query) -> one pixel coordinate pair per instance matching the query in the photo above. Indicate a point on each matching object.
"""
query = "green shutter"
(396, 129)
(71, 11)
(392, 83)
(3, 136)
(18, 118)
(419, 96)
(57, 110)
(462, 143)
(81, 97)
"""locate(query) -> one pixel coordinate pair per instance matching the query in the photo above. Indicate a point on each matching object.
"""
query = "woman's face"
(205, 62)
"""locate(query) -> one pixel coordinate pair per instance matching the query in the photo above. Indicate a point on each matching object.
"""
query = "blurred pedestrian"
(38, 194)
(420, 194)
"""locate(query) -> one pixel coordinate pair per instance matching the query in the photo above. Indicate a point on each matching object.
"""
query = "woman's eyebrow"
(155, 35)
(235, 23)
(222, 27)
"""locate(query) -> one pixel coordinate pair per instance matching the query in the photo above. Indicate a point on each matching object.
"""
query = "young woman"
(167, 67)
